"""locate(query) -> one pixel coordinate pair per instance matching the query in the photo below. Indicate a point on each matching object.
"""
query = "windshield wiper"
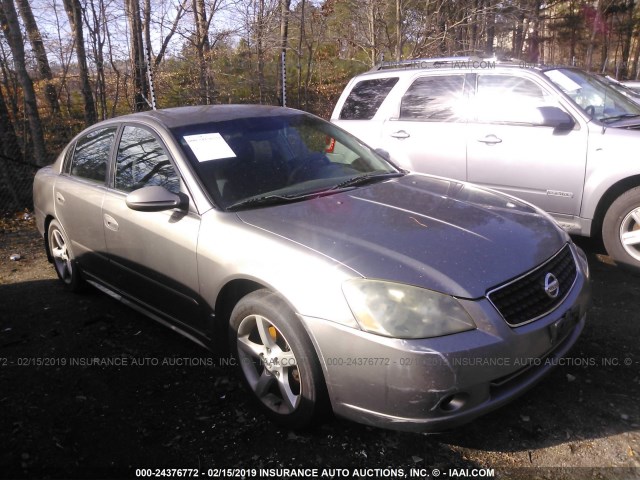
(279, 199)
(615, 118)
(368, 178)
(263, 201)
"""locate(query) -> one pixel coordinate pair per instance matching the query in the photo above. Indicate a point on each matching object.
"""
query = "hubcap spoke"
(290, 399)
(250, 348)
(631, 238)
(636, 216)
(287, 359)
(263, 330)
(265, 380)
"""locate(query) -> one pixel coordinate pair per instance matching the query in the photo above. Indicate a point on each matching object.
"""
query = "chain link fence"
(16, 183)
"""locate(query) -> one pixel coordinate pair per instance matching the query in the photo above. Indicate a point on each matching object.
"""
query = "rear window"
(92, 154)
(435, 98)
(366, 97)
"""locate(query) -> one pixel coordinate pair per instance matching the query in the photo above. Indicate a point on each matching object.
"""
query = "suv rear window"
(435, 98)
(366, 97)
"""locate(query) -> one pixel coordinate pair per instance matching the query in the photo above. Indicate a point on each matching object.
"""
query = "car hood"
(431, 232)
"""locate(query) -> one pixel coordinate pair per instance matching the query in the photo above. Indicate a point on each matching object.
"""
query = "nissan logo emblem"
(551, 285)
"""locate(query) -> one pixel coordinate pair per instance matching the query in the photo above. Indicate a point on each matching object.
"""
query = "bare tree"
(74, 12)
(138, 57)
(11, 29)
(37, 45)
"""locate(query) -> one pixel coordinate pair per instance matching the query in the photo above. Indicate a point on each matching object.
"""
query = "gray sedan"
(335, 280)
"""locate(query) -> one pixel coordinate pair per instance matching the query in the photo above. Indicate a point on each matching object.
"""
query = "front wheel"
(621, 229)
(63, 259)
(276, 360)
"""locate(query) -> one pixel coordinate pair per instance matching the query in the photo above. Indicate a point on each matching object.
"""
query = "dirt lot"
(60, 420)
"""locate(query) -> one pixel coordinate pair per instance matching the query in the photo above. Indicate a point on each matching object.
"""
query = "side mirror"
(556, 118)
(153, 199)
(383, 153)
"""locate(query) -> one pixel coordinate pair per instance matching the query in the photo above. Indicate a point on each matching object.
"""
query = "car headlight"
(582, 257)
(403, 311)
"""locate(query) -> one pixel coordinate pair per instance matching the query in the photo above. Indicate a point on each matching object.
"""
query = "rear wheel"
(621, 229)
(63, 259)
(276, 360)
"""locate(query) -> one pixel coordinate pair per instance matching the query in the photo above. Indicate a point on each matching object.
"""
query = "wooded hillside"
(65, 64)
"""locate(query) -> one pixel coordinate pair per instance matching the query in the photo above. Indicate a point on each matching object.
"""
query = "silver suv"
(557, 137)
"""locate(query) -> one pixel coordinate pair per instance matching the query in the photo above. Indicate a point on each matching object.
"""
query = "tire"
(621, 229)
(63, 260)
(276, 360)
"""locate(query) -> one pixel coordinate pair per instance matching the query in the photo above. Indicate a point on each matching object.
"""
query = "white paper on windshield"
(209, 146)
(564, 82)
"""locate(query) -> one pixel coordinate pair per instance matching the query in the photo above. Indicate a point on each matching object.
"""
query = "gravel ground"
(64, 416)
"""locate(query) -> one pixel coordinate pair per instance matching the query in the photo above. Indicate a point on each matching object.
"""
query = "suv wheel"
(621, 229)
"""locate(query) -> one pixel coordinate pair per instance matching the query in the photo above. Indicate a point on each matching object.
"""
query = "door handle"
(110, 223)
(59, 198)
(490, 139)
(400, 134)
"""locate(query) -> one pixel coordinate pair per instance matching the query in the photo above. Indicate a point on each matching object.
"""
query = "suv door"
(508, 149)
(153, 254)
(79, 193)
(428, 133)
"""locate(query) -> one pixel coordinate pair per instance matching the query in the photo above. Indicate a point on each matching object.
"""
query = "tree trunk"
(37, 45)
(137, 56)
(11, 29)
(74, 12)
(627, 37)
(398, 30)
(203, 49)
(96, 28)
(284, 37)
(490, 27)
(300, 40)
(592, 38)
(260, 49)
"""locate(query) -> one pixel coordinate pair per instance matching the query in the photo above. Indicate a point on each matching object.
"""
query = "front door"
(507, 151)
(152, 253)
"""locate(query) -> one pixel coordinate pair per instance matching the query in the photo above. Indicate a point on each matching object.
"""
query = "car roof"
(193, 115)
(453, 64)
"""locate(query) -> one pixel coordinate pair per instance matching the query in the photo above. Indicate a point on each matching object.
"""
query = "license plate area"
(559, 329)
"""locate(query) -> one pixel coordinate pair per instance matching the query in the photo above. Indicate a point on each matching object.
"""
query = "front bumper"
(430, 385)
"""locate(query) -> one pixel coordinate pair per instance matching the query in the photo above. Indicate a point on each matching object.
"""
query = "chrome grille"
(524, 299)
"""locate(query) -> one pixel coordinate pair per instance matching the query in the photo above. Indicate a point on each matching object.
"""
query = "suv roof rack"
(431, 62)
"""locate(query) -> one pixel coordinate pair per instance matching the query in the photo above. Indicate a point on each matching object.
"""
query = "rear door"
(152, 253)
(360, 113)
(79, 193)
(427, 132)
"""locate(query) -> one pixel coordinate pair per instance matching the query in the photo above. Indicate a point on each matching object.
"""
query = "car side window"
(510, 99)
(436, 98)
(91, 154)
(366, 97)
(143, 162)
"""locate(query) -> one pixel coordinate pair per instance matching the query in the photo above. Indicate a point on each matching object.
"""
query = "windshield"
(597, 99)
(287, 156)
